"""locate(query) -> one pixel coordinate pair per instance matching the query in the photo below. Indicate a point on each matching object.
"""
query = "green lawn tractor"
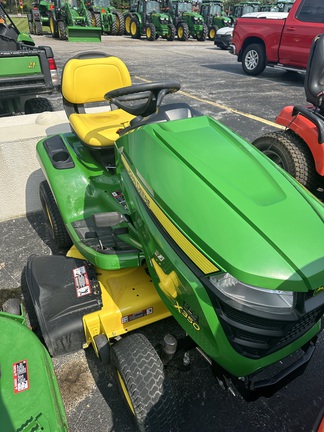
(30, 399)
(108, 18)
(169, 212)
(70, 20)
(147, 19)
(213, 14)
(187, 23)
(38, 16)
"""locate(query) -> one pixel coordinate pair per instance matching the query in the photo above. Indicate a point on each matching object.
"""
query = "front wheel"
(61, 29)
(120, 24)
(202, 36)
(150, 32)
(291, 153)
(254, 59)
(135, 29)
(183, 31)
(212, 32)
(127, 22)
(171, 32)
(142, 382)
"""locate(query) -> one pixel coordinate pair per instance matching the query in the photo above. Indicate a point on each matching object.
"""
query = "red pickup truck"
(281, 41)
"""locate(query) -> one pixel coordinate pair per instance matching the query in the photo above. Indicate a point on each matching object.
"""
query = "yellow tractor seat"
(86, 78)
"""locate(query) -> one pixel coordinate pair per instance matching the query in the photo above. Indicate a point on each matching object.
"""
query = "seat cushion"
(100, 129)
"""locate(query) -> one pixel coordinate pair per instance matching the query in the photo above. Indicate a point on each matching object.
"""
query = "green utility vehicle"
(70, 20)
(147, 19)
(187, 22)
(38, 16)
(105, 16)
(30, 396)
(213, 14)
(26, 71)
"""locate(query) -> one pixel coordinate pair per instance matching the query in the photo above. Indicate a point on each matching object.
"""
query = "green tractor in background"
(281, 6)
(146, 19)
(105, 16)
(187, 22)
(70, 20)
(246, 7)
(38, 16)
(213, 14)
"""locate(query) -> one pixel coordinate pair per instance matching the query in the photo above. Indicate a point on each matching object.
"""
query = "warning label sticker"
(20, 376)
(120, 198)
(81, 281)
(136, 315)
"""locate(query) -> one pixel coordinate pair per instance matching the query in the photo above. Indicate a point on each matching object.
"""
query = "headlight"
(271, 301)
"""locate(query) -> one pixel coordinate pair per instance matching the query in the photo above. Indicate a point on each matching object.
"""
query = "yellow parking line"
(224, 107)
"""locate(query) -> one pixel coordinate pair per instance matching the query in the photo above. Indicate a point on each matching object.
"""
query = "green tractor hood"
(245, 215)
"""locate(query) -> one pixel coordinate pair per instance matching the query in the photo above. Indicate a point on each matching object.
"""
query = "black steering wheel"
(151, 93)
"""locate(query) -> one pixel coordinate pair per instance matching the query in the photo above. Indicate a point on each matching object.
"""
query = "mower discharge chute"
(70, 20)
(214, 234)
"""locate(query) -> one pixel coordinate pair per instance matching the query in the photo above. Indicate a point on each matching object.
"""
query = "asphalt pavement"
(212, 82)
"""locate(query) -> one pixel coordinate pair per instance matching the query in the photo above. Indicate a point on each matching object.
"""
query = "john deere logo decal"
(318, 290)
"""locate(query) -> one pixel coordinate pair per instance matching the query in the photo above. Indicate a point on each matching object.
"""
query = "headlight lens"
(271, 301)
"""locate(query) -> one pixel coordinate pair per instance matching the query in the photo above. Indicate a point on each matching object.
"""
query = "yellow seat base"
(100, 129)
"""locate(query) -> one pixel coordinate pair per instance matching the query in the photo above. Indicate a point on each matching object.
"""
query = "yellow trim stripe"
(188, 248)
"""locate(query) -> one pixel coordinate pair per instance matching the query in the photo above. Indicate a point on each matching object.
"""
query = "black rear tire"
(143, 384)
(37, 105)
(254, 59)
(291, 153)
(53, 217)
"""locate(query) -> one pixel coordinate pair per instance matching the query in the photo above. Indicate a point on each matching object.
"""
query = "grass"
(21, 23)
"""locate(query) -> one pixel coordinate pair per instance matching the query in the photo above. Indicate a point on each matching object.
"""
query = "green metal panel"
(83, 34)
(29, 393)
(20, 66)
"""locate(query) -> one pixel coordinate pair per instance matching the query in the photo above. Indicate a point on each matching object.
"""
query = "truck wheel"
(127, 21)
(254, 59)
(150, 32)
(203, 35)
(61, 29)
(212, 32)
(291, 153)
(142, 382)
(171, 32)
(120, 25)
(183, 31)
(53, 217)
(135, 29)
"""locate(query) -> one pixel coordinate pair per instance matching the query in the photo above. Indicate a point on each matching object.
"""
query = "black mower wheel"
(135, 29)
(212, 32)
(30, 25)
(150, 32)
(183, 31)
(53, 217)
(254, 59)
(37, 105)
(103, 348)
(12, 306)
(171, 32)
(61, 30)
(143, 384)
(291, 153)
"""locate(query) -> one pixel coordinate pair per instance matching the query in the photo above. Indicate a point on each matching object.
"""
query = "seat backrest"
(86, 78)
(314, 79)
